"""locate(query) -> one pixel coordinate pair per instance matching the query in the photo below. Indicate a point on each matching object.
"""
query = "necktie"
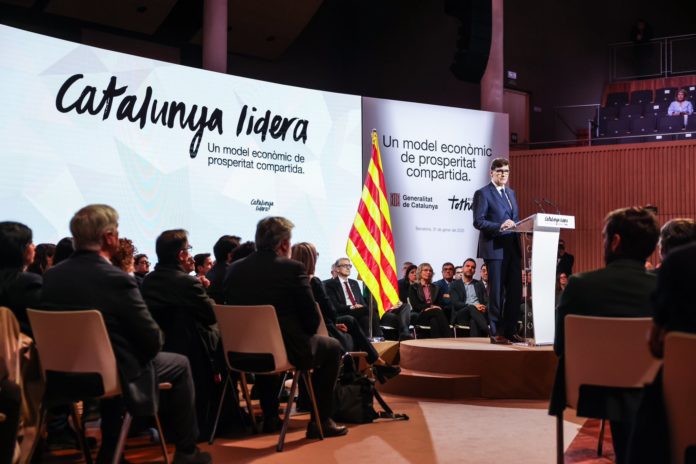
(350, 294)
(505, 197)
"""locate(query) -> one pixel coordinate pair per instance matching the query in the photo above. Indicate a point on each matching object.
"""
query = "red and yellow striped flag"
(371, 243)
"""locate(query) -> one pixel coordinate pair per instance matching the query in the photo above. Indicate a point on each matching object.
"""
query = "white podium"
(545, 229)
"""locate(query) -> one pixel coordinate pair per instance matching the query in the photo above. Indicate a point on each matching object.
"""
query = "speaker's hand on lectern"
(509, 224)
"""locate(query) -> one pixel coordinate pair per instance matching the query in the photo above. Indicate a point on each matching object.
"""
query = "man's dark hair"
(138, 257)
(676, 232)
(14, 239)
(469, 259)
(199, 259)
(243, 250)
(638, 229)
(64, 248)
(447, 264)
(499, 163)
(169, 244)
(224, 246)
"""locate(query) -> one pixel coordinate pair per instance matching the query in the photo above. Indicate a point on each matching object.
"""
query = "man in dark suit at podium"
(495, 214)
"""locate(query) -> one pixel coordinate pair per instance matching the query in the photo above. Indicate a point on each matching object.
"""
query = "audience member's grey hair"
(90, 223)
(271, 231)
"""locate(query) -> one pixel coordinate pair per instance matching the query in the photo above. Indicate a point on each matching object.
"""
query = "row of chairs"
(613, 352)
(664, 94)
(74, 347)
(647, 125)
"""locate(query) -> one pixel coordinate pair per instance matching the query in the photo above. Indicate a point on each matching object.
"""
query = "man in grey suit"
(88, 280)
(621, 289)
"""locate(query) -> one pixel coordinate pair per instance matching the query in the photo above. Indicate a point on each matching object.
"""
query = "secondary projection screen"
(434, 159)
(170, 147)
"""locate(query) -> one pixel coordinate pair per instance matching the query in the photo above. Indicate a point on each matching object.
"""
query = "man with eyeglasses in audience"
(444, 284)
(346, 296)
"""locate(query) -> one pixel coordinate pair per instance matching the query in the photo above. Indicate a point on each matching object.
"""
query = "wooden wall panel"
(589, 182)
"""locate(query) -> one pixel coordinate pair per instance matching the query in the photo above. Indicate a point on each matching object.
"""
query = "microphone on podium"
(538, 203)
(549, 202)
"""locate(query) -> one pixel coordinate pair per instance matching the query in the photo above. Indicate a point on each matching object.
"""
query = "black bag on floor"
(353, 396)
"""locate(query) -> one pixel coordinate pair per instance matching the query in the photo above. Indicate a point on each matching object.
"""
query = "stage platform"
(460, 368)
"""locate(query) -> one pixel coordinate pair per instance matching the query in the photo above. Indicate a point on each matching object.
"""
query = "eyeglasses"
(347, 266)
(447, 269)
(502, 171)
(188, 248)
(144, 263)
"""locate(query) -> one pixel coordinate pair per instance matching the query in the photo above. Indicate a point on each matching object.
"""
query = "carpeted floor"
(482, 431)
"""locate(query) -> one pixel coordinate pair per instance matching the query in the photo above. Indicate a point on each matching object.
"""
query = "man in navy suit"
(495, 215)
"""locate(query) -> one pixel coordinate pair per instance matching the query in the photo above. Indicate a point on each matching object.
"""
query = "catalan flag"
(371, 243)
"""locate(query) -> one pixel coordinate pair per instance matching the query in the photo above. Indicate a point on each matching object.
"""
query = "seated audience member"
(561, 284)
(243, 250)
(469, 301)
(64, 248)
(123, 258)
(203, 264)
(680, 106)
(223, 257)
(426, 302)
(142, 266)
(621, 289)
(346, 296)
(674, 310)
(268, 276)
(405, 282)
(565, 261)
(43, 258)
(458, 271)
(88, 280)
(444, 283)
(345, 329)
(19, 290)
(484, 276)
(184, 311)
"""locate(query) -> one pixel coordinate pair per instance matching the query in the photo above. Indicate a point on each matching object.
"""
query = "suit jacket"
(216, 276)
(673, 300)
(565, 264)
(328, 311)
(403, 285)
(19, 291)
(416, 296)
(335, 292)
(262, 278)
(88, 281)
(182, 308)
(621, 289)
(458, 294)
(490, 211)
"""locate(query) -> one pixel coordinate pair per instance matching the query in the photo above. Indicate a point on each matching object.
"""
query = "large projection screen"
(170, 147)
(434, 159)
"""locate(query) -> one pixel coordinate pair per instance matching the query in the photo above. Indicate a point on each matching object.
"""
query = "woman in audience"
(64, 248)
(43, 258)
(124, 257)
(680, 106)
(343, 328)
(405, 282)
(426, 301)
(561, 283)
(19, 290)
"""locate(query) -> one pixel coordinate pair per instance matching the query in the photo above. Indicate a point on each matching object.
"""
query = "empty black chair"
(641, 96)
(690, 123)
(617, 127)
(686, 136)
(665, 94)
(608, 113)
(659, 138)
(670, 123)
(634, 110)
(655, 108)
(603, 127)
(645, 125)
(617, 99)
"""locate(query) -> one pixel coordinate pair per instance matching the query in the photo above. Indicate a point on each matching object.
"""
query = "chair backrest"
(679, 381)
(321, 329)
(607, 351)
(251, 338)
(9, 345)
(75, 342)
